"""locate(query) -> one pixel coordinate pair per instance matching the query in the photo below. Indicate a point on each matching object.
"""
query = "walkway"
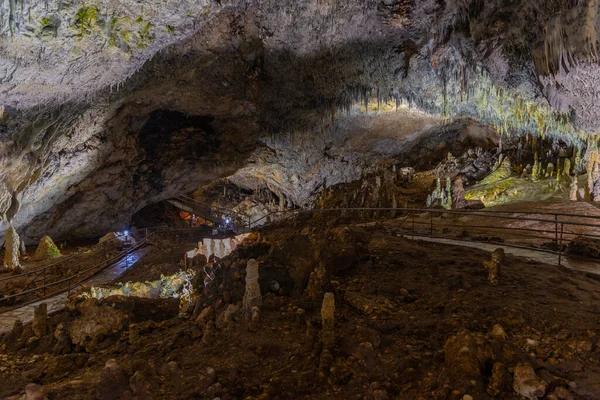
(531, 254)
(58, 302)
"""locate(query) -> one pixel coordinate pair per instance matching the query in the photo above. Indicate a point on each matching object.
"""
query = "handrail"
(145, 233)
(438, 211)
(210, 207)
(54, 264)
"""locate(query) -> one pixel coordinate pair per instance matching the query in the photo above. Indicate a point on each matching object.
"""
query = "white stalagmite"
(219, 247)
(12, 243)
(252, 296)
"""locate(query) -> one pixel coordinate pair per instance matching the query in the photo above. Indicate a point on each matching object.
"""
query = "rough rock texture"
(328, 321)
(46, 249)
(527, 384)
(252, 296)
(98, 319)
(465, 356)
(39, 324)
(107, 108)
(584, 246)
(12, 250)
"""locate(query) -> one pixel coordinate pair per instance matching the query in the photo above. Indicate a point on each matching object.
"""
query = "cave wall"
(78, 80)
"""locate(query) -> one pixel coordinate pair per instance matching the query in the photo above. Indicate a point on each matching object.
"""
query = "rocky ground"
(412, 321)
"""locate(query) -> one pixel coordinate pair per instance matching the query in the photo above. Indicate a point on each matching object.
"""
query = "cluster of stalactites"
(569, 37)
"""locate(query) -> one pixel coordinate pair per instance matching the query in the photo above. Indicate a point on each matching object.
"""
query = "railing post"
(44, 282)
(556, 229)
(560, 244)
(413, 226)
(431, 221)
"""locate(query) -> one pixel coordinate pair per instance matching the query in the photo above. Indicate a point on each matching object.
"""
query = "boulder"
(526, 382)
(465, 356)
(113, 381)
(46, 250)
(98, 319)
(584, 246)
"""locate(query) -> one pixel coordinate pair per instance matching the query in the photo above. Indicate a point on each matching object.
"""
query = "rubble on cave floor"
(395, 319)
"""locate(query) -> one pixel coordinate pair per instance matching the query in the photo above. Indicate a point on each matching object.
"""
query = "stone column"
(317, 282)
(12, 243)
(39, 325)
(252, 296)
(327, 317)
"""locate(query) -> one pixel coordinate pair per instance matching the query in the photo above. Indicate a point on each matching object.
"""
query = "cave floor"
(389, 342)
(58, 302)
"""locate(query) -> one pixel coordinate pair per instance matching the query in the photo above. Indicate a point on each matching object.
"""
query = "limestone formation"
(327, 319)
(63, 341)
(498, 379)
(317, 283)
(11, 246)
(441, 196)
(464, 356)
(407, 175)
(527, 384)
(46, 250)
(252, 296)
(458, 194)
(494, 266)
(549, 170)
(219, 247)
(593, 175)
(498, 332)
(574, 189)
(39, 324)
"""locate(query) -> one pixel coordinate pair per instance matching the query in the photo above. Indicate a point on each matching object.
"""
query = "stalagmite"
(317, 282)
(222, 249)
(573, 189)
(327, 317)
(11, 245)
(46, 249)
(39, 324)
(252, 296)
(494, 266)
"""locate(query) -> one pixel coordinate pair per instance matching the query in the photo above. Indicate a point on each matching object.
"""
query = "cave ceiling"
(106, 107)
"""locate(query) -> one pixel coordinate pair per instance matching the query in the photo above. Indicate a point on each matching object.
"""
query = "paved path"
(532, 254)
(56, 303)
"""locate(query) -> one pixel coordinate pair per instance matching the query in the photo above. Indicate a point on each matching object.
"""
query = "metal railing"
(536, 230)
(49, 281)
(211, 213)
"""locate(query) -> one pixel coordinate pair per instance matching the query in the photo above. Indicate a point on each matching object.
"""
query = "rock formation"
(46, 250)
(39, 324)
(328, 321)
(317, 283)
(151, 104)
(494, 266)
(11, 246)
(252, 296)
(527, 384)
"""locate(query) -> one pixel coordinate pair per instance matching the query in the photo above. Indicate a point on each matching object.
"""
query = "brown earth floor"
(389, 344)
